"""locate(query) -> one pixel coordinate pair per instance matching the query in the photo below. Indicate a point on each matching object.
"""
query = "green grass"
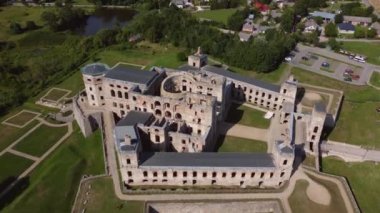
(235, 144)
(358, 122)
(55, 94)
(375, 79)
(11, 166)
(53, 184)
(364, 179)
(146, 54)
(22, 118)
(20, 15)
(40, 140)
(247, 116)
(9, 134)
(300, 202)
(102, 199)
(270, 77)
(369, 49)
(220, 15)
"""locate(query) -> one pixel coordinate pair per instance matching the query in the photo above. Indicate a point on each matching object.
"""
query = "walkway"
(241, 131)
(350, 153)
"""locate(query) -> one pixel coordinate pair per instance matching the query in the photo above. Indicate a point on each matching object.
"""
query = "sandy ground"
(318, 193)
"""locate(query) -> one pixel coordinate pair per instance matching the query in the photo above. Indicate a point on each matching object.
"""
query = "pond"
(106, 18)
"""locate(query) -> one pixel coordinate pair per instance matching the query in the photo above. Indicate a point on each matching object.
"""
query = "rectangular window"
(128, 161)
(185, 174)
(204, 174)
(233, 174)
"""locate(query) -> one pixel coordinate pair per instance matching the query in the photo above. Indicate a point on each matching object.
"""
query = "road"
(350, 152)
(338, 74)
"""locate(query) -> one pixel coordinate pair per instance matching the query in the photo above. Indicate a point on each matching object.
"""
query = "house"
(346, 28)
(181, 3)
(357, 20)
(327, 17)
(310, 26)
(376, 26)
(248, 26)
(263, 8)
(275, 14)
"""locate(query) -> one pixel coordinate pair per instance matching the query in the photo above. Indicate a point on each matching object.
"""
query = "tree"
(15, 28)
(236, 20)
(287, 20)
(30, 25)
(51, 19)
(360, 32)
(318, 20)
(334, 44)
(338, 18)
(371, 33)
(331, 30)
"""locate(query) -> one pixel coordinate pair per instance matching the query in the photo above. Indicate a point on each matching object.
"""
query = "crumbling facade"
(167, 124)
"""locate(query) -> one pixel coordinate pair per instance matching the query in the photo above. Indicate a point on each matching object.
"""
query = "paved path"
(21, 154)
(241, 131)
(358, 40)
(350, 152)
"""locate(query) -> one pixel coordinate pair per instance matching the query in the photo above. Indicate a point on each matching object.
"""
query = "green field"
(300, 203)
(55, 94)
(247, 116)
(22, 118)
(358, 121)
(364, 179)
(11, 167)
(271, 77)
(146, 54)
(375, 79)
(368, 49)
(53, 184)
(102, 199)
(9, 134)
(40, 140)
(220, 15)
(235, 144)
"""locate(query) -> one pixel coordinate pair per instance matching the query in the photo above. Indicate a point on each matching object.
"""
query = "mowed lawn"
(220, 15)
(368, 49)
(358, 121)
(102, 199)
(11, 166)
(146, 54)
(247, 116)
(40, 140)
(235, 144)
(22, 118)
(54, 183)
(364, 179)
(375, 79)
(300, 202)
(9, 134)
(55, 94)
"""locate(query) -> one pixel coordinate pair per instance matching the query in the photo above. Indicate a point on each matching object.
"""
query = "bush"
(331, 30)
(181, 56)
(15, 28)
(30, 25)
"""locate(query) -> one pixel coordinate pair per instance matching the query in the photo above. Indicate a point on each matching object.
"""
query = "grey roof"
(206, 159)
(322, 14)
(134, 117)
(357, 19)
(284, 148)
(346, 26)
(245, 79)
(126, 73)
(95, 69)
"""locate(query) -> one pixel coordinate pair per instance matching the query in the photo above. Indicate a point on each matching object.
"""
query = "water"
(105, 18)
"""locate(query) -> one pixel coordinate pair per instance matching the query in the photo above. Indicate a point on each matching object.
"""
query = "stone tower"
(314, 127)
(198, 59)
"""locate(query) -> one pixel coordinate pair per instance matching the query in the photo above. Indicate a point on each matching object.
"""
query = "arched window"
(126, 95)
(168, 114)
(158, 112)
(112, 93)
(119, 94)
(157, 103)
(178, 116)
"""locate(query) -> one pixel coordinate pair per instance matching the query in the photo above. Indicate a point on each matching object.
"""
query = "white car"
(288, 59)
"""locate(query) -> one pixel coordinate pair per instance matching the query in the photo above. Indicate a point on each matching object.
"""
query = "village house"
(357, 20)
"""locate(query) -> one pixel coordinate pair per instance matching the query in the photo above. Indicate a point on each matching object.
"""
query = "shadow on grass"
(13, 193)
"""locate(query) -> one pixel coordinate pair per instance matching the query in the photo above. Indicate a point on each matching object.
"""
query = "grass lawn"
(40, 140)
(102, 198)
(22, 118)
(358, 121)
(54, 183)
(300, 202)
(220, 15)
(235, 144)
(9, 133)
(20, 15)
(146, 54)
(55, 94)
(375, 79)
(11, 166)
(364, 179)
(369, 49)
(247, 116)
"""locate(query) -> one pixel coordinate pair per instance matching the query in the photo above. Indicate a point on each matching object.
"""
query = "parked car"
(288, 59)
(349, 70)
(314, 57)
(355, 77)
(347, 79)
(305, 58)
(325, 64)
